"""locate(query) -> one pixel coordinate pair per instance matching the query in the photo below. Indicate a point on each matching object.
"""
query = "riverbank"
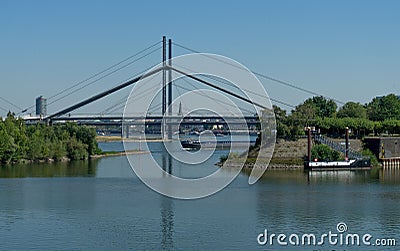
(287, 154)
(123, 153)
(66, 159)
(36, 161)
(101, 138)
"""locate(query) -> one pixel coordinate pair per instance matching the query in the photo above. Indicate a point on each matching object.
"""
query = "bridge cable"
(267, 77)
(105, 70)
(102, 94)
(121, 101)
(124, 103)
(104, 76)
(218, 101)
(200, 93)
(3, 109)
(110, 108)
(241, 89)
(247, 90)
(9, 102)
(97, 74)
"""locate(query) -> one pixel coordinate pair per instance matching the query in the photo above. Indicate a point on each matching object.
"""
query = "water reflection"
(115, 210)
(340, 177)
(167, 210)
(391, 176)
(315, 202)
(167, 223)
(333, 177)
(57, 169)
(118, 167)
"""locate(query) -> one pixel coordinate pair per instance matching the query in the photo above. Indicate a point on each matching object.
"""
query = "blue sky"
(348, 50)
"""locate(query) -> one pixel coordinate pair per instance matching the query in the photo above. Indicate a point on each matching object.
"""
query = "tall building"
(41, 106)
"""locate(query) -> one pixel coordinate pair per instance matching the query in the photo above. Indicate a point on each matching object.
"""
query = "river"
(101, 205)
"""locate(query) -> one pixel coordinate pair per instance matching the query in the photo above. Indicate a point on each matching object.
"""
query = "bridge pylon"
(166, 87)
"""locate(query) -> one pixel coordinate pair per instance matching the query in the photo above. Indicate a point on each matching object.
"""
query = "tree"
(7, 145)
(304, 114)
(324, 107)
(39, 147)
(336, 126)
(352, 110)
(391, 126)
(87, 135)
(76, 149)
(15, 129)
(382, 108)
(40, 141)
(283, 130)
(84, 134)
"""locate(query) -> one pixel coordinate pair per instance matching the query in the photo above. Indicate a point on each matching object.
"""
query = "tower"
(41, 106)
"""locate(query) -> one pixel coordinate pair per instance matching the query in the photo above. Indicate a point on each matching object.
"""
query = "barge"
(357, 162)
(353, 164)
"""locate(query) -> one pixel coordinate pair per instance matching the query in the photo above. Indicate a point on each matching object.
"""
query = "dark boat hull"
(190, 144)
(358, 164)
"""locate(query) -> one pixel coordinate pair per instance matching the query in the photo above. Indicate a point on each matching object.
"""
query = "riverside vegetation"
(380, 117)
(40, 142)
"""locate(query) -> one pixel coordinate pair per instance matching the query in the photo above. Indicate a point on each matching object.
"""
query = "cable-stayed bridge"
(153, 118)
(166, 103)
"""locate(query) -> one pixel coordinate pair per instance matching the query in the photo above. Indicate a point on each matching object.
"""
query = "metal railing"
(338, 147)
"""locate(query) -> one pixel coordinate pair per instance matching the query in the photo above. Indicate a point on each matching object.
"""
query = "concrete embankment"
(288, 155)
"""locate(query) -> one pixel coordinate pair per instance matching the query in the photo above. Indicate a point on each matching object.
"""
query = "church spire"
(180, 109)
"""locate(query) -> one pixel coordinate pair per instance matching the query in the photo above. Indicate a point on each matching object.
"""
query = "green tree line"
(380, 116)
(39, 142)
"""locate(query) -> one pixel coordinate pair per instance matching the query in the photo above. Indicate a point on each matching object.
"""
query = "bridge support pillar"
(127, 131)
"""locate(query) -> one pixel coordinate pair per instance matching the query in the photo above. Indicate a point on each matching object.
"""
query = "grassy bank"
(101, 138)
(288, 154)
(115, 153)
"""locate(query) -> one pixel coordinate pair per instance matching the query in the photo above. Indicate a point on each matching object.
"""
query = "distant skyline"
(347, 50)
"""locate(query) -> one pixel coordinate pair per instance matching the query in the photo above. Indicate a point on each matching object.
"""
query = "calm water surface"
(102, 205)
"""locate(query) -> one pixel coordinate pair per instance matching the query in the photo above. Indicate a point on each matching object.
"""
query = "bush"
(374, 160)
(223, 158)
(324, 153)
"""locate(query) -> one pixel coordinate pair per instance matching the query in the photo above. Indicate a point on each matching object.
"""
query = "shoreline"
(102, 139)
(66, 159)
(272, 165)
(113, 154)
